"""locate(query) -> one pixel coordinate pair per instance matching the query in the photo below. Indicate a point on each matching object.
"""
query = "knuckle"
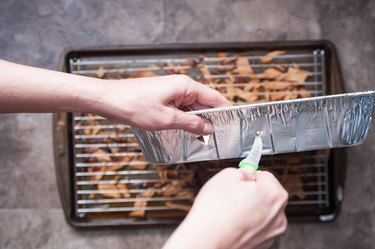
(285, 195)
(228, 171)
(195, 123)
(175, 119)
(184, 77)
(274, 197)
(181, 77)
(284, 223)
(169, 120)
(228, 174)
(282, 198)
(269, 176)
(277, 195)
(281, 224)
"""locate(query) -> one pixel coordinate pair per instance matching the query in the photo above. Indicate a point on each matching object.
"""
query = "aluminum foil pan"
(286, 126)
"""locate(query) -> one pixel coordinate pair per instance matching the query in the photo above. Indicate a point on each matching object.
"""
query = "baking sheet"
(286, 126)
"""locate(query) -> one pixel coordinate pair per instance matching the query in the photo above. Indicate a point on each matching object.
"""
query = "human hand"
(155, 102)
(148, 103)
(234, 211)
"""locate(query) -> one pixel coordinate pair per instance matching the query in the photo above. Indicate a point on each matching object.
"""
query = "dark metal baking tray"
(330, 175)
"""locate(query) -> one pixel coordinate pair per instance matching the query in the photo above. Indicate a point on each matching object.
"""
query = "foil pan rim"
(283, 102)
(330, 121)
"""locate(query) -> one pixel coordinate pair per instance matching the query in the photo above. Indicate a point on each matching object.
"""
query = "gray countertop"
(36, 33)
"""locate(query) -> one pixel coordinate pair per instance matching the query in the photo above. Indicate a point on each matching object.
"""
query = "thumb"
(248, 173)
(193, 123)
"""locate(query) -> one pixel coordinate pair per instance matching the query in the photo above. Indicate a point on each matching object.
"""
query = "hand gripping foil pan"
(285, 126)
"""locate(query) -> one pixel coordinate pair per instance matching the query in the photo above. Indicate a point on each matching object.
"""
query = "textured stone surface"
(27, 178)
(36, 33)
(46, 228)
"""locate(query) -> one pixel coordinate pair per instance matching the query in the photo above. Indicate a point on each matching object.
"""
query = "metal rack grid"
(305, 175)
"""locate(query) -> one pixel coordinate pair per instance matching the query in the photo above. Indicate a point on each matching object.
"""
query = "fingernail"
(208, 128)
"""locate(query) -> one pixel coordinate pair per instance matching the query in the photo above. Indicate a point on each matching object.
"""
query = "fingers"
(270, 181)
(189, 94)
(229, 175)
(266, 244)
(278, 195)
(233, 174)
(206, 96)
(265, 176)
(248, 173)
(191, 123)
(197, 106)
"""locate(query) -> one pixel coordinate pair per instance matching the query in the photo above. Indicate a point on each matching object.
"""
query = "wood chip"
(222, 54)
(250, 87)
(91, 131)
(183, 207)
(272, 73)
(121, 186)
(172, 188)
(131, 140)
(186, 194)
(142, 166)
(296, 74)
(141, 74)
(114, 167)
(100, 73)
(250, 98)
(269, 56)
(226, 68)
(291, 95)
(267, 96)
(141, 204)
(293, 185)
(279, 86)
(190, 63)
(242, 54)
(189, 177)
(204, 70)
(154, 66)
(108, 133)
(303, 93)
(162, 172)
(141, 163)
(100, 173)
(109, 187)
(243, 66)
(147, 194)
(254, 79)
(230, 89)
(277, 96)
(100, 155)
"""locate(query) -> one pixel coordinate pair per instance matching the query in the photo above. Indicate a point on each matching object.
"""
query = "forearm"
(159, 99)
(192, 234)
(28, 89)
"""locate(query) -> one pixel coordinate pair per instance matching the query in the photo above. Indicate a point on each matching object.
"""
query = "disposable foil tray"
(286, 126)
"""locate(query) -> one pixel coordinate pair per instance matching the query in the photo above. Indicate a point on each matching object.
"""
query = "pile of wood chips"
(242, 84)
